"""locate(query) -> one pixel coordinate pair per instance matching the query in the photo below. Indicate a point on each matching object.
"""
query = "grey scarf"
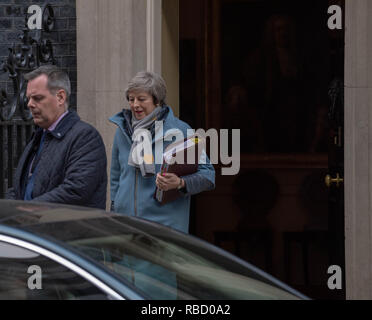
(147, 167)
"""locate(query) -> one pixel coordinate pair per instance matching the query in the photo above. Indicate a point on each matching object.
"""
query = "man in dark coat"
(65, 161)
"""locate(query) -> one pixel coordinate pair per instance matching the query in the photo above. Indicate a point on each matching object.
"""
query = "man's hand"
(169, 181)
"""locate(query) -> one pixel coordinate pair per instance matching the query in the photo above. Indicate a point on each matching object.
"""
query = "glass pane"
(161, 263)
(26, 275)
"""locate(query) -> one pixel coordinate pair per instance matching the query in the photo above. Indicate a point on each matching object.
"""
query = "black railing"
(16, 123)
(14, 135)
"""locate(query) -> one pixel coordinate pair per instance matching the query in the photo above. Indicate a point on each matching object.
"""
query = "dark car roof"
(64, 223)
(21, 213)
(28, 215)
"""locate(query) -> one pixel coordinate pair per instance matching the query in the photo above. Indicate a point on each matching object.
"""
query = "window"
(19, 278)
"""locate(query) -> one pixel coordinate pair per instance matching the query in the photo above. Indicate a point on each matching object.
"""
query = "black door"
(277, 76)
(334, 181)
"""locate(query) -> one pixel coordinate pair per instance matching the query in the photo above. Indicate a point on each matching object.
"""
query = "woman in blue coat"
(133, 185)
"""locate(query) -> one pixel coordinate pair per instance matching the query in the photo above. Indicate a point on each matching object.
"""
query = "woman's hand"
(169, 181)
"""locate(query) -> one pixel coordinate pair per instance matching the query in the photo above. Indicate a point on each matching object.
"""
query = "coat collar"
(122, 119)
(64, 125)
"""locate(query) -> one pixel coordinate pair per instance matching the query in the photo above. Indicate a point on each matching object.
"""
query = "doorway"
(277, 75)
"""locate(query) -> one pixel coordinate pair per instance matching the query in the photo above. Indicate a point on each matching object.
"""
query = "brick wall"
(63, 36)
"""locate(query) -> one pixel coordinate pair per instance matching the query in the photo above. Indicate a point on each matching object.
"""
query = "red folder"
(182, 159)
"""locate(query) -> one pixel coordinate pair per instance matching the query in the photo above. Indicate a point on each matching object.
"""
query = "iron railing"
(16, 125)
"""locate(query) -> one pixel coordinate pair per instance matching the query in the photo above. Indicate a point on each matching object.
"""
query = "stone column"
(358, 149)
(111, 49)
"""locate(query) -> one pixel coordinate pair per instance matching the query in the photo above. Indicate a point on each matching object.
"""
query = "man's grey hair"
(150, 82)
(57, 79)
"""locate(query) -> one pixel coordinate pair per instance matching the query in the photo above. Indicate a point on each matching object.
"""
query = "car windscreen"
(162, 263)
